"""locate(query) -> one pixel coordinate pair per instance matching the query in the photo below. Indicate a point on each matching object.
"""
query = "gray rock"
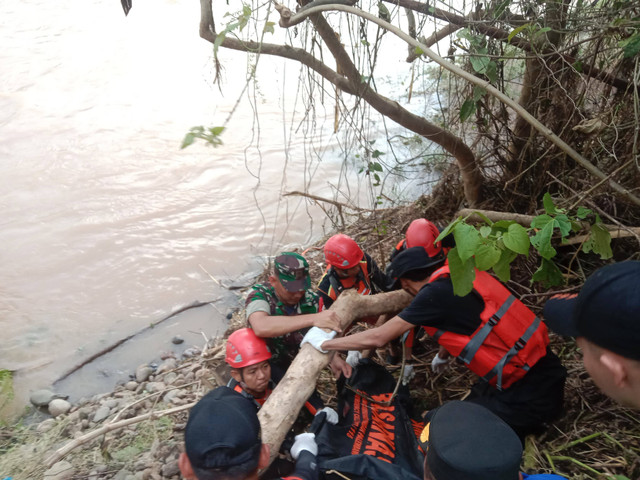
(111, 403)
(167, 365)
(46, 425)
(170, 377)
(101, 414)
(57, 406)
(170, 469)
(122, 474)
(131, 385)
(177, 340)
(153, 387)
(62, 470)
(170, 395)
(143, 372)
(41, 398)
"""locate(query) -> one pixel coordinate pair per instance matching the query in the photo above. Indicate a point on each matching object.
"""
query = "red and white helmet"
(423, 233)
(342, 251)
(244, 348)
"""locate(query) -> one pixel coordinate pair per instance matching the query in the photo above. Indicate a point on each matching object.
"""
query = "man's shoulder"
(261, 291)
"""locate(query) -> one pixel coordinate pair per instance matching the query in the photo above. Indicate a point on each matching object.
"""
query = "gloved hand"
(332, 415)
(354, 357)
(438, 364)
(407, 374)
(316, 337)
(304, 441)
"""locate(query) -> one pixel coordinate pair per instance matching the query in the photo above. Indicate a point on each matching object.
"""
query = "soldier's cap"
(466, 441)
(292, 270)
(414, 258)
(605, 312)
(223, 431)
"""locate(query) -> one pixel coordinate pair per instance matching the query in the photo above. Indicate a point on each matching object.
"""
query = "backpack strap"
(470, 349)
(519, 345)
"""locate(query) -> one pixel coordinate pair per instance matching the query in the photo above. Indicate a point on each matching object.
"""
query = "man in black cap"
(605, 319)
(465, 441)
(492, 332)
(223, 442)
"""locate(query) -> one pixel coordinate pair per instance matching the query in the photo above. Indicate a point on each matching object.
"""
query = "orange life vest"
(361, 282)
(235, 385)
(509, 340)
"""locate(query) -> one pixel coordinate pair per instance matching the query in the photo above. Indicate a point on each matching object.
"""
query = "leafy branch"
(495, 245)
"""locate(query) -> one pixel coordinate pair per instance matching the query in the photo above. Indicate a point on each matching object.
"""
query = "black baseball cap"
(223, 431)
(606, 311)
(466, 441)
(414, 258)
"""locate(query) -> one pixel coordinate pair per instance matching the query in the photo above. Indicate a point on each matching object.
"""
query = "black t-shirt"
(436, 306)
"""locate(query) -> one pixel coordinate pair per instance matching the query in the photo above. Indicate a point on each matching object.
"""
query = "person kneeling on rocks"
(251, 375)
(465, 441)
(223, 442)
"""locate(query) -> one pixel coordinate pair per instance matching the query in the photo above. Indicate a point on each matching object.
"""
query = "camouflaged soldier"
(284, 309)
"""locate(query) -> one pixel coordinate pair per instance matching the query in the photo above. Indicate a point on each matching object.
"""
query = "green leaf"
(542, 241)
(516, 239)
(549, 206)
(541, 221)
(487, 255)
(418, 51)
(468, 107)
(462, 273)
(599, 242)
(485, 231)
(478, 93)
(467, 240)
(500, 8)
(479, 64)
(583, 212)
(578, 66)
(630, 46)
(517, 31)
(448, 229)
(189, 138)
(376, 154)
(503, 268)
(492, 71)
(383, 12)
(268, 27)
(502, 224)
(563, 223)
(548, 273)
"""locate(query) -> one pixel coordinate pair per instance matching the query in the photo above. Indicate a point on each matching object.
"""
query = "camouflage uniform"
(293, 272)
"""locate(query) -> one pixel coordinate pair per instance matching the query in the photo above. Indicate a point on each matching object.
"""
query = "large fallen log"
(282, 407)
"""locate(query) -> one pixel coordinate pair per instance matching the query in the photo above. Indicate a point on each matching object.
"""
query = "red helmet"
(244, 348)
(342, 251)
(423, 233)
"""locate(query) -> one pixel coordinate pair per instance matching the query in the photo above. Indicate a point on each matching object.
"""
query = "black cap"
(465, 441)
(606, 311)
(414, 258)
(222, 431)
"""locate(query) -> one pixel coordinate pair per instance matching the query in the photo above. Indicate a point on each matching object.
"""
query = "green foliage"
(494, 245)
(630, 46)
(210, 135)
(6, 388)
(239, 21)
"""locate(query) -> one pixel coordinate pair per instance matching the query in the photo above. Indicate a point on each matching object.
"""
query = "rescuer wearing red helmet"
(348, 267)
(248, 356)
(423, 233)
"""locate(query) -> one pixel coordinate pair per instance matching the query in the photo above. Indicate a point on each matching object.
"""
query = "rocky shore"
(135, 432)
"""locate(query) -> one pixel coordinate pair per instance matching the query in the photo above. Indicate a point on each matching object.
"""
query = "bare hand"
(340, 367)
(327, 319)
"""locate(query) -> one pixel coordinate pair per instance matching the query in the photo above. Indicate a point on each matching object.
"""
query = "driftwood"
(282, 407)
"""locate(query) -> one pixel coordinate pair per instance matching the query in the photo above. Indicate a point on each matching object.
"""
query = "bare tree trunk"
(282, 407)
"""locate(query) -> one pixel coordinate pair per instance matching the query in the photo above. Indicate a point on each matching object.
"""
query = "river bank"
(135, 432)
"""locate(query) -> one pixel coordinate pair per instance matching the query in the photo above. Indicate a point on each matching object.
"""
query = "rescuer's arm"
(372, 338)
(267, 326)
